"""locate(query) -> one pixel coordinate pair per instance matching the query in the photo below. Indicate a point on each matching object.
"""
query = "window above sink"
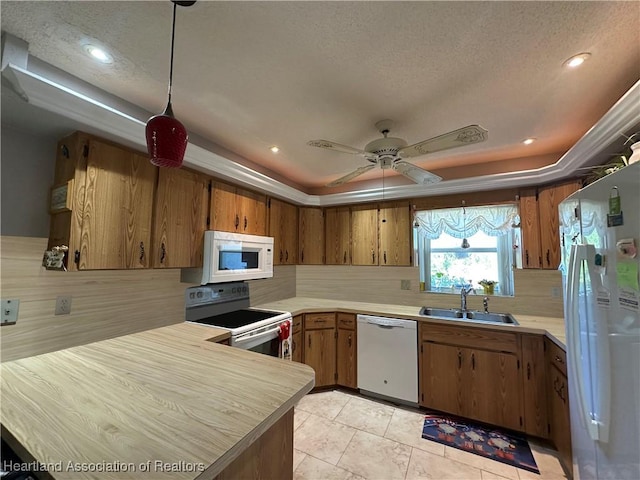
(460, 247)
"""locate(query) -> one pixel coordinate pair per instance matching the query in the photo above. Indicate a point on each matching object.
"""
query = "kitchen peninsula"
(164, 403)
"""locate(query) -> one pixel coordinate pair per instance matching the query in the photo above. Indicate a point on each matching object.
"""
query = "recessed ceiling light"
(528, 141)
(98, 53)
(577, 60)
(274, 149)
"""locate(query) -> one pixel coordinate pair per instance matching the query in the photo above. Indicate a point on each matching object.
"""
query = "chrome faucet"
(463, 297)
(485, 304)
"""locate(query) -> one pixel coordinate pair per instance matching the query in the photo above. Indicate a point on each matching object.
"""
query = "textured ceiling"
(249, 75)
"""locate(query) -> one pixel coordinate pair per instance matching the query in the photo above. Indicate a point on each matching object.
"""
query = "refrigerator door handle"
(578, 255)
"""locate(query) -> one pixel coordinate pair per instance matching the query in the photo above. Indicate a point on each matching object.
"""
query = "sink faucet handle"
(485, 304)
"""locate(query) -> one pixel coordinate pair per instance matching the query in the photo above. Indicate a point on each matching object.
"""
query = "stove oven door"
(265, 340)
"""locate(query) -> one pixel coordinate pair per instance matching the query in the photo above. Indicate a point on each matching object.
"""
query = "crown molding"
(61, 98)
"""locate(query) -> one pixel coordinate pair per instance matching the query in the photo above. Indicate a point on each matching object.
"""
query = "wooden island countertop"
(164, 399)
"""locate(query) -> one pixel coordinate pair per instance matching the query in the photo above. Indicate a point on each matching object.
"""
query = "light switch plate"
(10, 311)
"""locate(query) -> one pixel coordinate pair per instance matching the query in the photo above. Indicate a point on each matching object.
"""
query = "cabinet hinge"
(85, 151)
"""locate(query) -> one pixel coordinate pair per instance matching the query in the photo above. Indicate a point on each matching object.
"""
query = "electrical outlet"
(405, 284)
(63, 305)
(10, 311)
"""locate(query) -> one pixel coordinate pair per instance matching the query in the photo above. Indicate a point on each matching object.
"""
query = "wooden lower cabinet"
(347, 350)
(469, 379)
(320, 346)
(296, 341)
(269, 457)
(472, 383)
(558, 403)
(534, 379)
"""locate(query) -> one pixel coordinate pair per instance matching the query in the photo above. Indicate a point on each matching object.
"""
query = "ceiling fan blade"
(351, 176)
(329, 145)
(417, 174)
(457, 138)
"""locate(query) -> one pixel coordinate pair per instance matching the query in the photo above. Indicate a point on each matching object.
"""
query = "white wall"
(27, 173)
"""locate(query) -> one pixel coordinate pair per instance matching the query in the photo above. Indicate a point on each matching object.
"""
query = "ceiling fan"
(390, 152)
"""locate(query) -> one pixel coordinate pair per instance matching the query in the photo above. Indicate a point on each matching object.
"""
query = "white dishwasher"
(388, 357)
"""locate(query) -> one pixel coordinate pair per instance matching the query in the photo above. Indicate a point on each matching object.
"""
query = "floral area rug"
(492, 443)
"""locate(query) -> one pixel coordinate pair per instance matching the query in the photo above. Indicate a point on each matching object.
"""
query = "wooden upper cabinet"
(181, 212)
(114, 205)
(549, 199)
(283, 227)
(364, 235)
(238, 210)
(540, 224)
(253, 212)
(311, 236)
(395, 234)
(530, 228)
(337, 236)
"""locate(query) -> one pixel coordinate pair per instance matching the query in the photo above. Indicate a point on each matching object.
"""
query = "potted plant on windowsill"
(488, 286)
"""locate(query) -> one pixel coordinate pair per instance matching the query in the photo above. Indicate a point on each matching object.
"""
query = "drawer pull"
(459, 359)
(528, 371)
(559, 359)
(349, 340)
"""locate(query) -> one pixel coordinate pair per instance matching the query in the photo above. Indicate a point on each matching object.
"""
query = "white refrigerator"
(600, 276)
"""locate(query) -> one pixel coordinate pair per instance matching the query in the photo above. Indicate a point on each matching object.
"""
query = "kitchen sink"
(441, 312)
(469, 316)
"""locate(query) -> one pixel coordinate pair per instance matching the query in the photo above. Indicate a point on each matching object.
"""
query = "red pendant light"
(166, 136)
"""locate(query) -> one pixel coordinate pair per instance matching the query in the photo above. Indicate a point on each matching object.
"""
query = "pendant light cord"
(173, 39)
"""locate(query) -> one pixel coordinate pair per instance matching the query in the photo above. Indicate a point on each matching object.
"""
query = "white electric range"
(226, 305)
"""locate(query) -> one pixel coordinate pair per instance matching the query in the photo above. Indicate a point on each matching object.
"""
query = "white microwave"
(231, 257)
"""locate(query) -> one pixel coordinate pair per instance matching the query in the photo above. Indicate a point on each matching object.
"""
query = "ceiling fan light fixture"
(166, 137)
(577, 60)
(274, 149)
(528, 141)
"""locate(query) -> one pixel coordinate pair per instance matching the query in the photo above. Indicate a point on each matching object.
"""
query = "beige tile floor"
(340, 436)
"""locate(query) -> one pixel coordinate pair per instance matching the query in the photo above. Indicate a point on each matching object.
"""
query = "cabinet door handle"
(344, 260)
(293, 346)
(302, 256)
(141, 251)
(459, 359)
(349, 340)
(548, 259)
(245, 222)
(281, 256)
(473, 361)
(526, 256)
(385, 257)
(309, 341)
(286, 255)
(237, 222)
(559, 359)
(528, 371)
(163, 252)
(373, 257)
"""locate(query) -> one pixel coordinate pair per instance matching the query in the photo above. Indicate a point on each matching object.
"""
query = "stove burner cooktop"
(236, 319)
